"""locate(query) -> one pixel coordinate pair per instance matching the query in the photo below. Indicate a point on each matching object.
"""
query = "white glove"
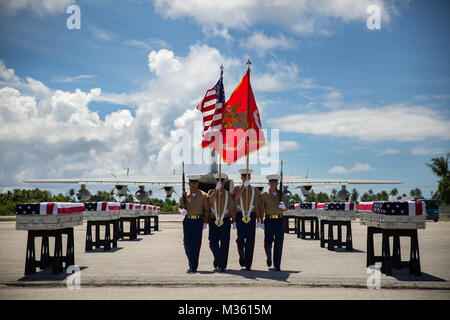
(282, 205)
(246, 183)
(234, 225)
(218, 185)
(183, 212)
(204, 226)
(262, 226)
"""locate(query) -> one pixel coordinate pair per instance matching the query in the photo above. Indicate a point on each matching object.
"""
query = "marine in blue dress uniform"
(221, 217)
(196, 215)
(246, 217)
(273, 224)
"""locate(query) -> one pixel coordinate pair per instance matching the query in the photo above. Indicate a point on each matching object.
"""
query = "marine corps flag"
(240, 119)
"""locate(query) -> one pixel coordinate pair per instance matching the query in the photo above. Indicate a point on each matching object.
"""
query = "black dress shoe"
(215, 264)
(277, 269)
(221, 269)
(191, 270)
(242, 261)
(269, 262)
(248, 269)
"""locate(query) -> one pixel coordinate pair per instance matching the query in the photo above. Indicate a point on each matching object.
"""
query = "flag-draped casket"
(330, 210)
(48, 215)
(146, 210)
(98, 211)
(304, 209)
(342, 211)
(129, 210)
(393, 214)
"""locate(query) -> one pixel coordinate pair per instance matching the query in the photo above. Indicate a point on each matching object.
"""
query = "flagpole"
(220, 158)
(220, 180)
(248, 127)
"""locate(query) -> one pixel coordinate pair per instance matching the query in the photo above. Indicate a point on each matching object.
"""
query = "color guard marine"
(273, 225)
(247, 201)
(196, 215)
(221, 217)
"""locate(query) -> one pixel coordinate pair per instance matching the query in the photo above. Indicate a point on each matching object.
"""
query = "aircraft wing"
(175, 180)
(161, 180)
(260, 181)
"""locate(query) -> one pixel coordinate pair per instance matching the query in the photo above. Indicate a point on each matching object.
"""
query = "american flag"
(402, 208)
(44, 208)
(102, 206)
(212, 107)
(339, 206)
(308, 205)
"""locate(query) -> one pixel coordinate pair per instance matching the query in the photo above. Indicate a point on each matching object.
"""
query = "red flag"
(240, 119)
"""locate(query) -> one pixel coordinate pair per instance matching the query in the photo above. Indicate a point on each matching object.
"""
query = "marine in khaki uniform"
(246, 218)
(221, 217)
(273, 210)
(196, 216)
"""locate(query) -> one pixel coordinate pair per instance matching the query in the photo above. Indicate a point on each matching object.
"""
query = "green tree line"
(9, 199)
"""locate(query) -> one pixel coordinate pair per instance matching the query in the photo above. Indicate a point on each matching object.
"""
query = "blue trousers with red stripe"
(219, 241)
(192, 240)
(246, 237)
(274, 232)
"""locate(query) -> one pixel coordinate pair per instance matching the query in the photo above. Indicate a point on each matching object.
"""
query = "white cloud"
(388, 151)
(102, 34)
(147, 44)
(288, 146)
(332, 99)
(280, 77)
(428, 151)
(394, 122)
(80, 77)
(432, 97)
(261, 44)
(53, 133)
(358, 167)
(41, 7)
(301, 17)
(163, 61)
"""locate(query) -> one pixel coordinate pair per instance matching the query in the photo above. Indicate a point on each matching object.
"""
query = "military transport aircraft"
(207, 181)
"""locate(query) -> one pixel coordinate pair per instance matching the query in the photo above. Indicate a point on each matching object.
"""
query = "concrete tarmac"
(154, 267)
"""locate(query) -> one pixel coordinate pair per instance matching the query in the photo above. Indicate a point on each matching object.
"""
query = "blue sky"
(348, 101)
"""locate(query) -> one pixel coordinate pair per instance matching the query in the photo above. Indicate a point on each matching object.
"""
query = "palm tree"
(394, 192)
(354, 195)
(333, 194)
(439, 166)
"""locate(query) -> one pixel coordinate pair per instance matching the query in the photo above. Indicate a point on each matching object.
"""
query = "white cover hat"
(273, 177)
(244, 171)
(223, 176)
(194, 177)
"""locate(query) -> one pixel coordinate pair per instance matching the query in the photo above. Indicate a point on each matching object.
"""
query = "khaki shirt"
(230, 204)
(270, 203)
(256, 199)
(196, 205)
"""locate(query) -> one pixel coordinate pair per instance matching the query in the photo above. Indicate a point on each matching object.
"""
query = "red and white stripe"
(365, 206)
(349, 206)
(416, 208)
(212, 112)
(320, 206)
(60, 208)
